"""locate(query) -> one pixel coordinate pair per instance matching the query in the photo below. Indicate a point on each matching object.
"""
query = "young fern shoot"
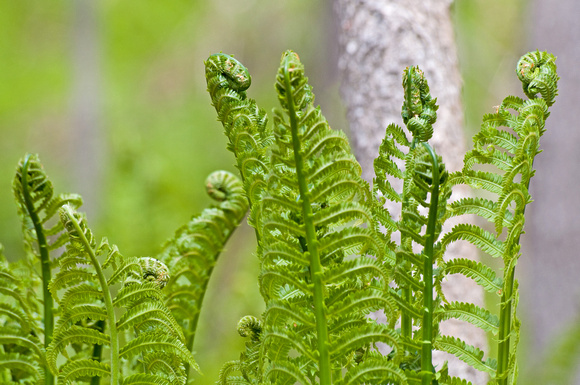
(89, 297)
(316, 280)
(193, 252)
(511, 152)
(37, 206)
(424, 188)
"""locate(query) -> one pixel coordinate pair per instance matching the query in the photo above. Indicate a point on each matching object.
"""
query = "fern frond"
(193, 251)
(477, 236)
(74, 370)
(244, 123)
(470, 313)
(145, 379)
(73, 335)
(375, 370)
(158, 340)
(18, 362)
(466, 353)
(148, 313)
(37, 206)
(480, 273)
(286, 372)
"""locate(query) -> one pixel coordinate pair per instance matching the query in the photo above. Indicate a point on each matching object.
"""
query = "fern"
(192, 253)
(37, 206)
(145, 315)
(424, 190)
(316, 281)
(245, 124)
(512, 152)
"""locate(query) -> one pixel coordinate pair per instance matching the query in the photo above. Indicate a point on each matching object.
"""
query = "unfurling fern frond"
(245, 124)
(423, 198)
(317, 282)
(501, 163)
(89, 275)
(193, 252)
(37, 207)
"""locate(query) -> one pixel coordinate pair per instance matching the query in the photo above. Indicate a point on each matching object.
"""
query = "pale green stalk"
(114, 352)
(312, 242)
(48, 316)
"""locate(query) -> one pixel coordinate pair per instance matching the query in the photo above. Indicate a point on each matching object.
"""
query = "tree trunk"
(378, 39)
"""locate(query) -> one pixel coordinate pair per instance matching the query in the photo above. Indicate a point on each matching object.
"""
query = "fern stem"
(406, 318)
(311, 241)
(427, 344)
(48, 316)
(115, 363)
(505, 322)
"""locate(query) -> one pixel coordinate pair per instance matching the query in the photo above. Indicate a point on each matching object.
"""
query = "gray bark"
(550, 280)
(378, 39)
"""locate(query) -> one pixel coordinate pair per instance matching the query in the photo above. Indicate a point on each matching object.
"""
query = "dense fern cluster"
(127, 320)
(330, 253)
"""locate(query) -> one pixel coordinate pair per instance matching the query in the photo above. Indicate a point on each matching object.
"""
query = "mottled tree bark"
(378, 39)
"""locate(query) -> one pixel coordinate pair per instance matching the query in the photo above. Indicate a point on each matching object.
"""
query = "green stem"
(427, 343)
(505, 311)
(44, 263)
(406, 319)
(311, 241)
(505, 323)
(114, 351)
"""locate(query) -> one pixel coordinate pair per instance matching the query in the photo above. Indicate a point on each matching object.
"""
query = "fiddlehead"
(510, 152)
(37, 205)
(244, 123)
(424, 190)
(88, 294)
(193, 251)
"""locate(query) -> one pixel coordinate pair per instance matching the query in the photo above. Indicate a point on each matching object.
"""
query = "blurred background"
(112, 96)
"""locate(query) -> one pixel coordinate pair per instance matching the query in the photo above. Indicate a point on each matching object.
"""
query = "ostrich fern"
(329, 252)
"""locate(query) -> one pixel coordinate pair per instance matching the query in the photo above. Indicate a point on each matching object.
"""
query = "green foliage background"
(157, 136)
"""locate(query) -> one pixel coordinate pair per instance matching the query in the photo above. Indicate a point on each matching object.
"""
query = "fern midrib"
(115, 364)
(505, 316)
(427, 343)
(311, 241)
(48, 316)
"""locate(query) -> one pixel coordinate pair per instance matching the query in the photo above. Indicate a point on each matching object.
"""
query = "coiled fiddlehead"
(244, 123)
(419, 110)
(510, 152)
(193, 251)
